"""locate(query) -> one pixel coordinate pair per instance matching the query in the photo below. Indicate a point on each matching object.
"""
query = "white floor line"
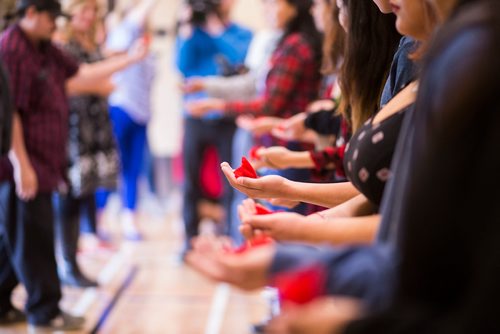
(105, 276)
(218, 308)
(86, 300)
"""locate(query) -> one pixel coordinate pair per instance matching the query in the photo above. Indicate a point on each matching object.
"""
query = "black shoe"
(63, 322)
(12, 316)
(260, 327)
(78, 280)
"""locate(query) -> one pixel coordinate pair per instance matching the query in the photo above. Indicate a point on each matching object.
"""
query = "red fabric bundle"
(301, 286)
(245, 169)
(260, 240)
(253, 153)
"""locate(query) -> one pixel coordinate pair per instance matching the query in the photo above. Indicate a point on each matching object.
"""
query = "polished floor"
(144, 288)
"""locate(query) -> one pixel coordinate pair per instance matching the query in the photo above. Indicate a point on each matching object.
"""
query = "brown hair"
(371, 42)
(333, 43)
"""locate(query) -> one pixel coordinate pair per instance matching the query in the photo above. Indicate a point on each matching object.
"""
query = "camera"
(201, 8)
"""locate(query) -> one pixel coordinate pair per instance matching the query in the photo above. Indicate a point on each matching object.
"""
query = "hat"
(51, 6)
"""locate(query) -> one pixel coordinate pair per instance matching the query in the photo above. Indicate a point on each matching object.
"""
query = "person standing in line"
(39, 73)
(130, 105)
(92, 152)
(206, 34)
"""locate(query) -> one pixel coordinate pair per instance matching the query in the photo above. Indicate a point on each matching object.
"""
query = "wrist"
(290, 189)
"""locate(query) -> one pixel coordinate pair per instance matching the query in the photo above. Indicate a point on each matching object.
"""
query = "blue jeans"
(131, 139)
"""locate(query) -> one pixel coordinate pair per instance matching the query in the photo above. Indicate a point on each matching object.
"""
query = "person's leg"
(242, 143)
(123, 128)
(8, 278)
(131, 171)
(224, 135)
(192, 152)
(31, 232)
(68, 232)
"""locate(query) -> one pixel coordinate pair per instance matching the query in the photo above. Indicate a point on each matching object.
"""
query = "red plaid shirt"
(37, 77)
(292, 83)
(333, 155)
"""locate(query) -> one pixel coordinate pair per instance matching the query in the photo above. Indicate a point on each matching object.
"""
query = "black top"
(368, 155)
(92, 152)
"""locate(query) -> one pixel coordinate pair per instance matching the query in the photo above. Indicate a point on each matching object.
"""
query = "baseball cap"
(51, 6)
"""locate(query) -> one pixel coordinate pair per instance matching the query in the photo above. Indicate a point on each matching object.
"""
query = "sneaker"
(62, 322)
(78, 280)
(12, 316)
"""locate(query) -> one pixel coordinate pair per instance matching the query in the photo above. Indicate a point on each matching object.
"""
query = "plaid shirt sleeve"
(332, 157)
(19, 75)
(281, 82)
(68, 62)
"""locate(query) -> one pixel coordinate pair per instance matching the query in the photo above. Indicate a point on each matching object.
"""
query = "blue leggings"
(131, 139)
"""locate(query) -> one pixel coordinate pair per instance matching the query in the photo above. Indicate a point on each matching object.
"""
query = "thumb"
(260, 222)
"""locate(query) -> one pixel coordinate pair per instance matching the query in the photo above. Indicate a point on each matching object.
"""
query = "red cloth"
(210, 178)
(301, 286)
(245, 169)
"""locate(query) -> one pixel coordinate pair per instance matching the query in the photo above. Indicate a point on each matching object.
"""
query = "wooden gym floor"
(144, 288)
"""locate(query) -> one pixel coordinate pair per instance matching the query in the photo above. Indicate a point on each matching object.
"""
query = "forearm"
(140, 13)
(300, 159)
(92, 75)
(323, 194)
(18, 155)
(355, 207)
(239, 87)
(360, 271)
(340, 231)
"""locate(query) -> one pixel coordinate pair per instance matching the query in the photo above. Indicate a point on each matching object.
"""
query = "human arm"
(282, 80)
(364, 272)
(242, 86)
(352, 225)
(324, 315)
(279, 157)
(24, 175)
(93, 78)
(274, 186)
(258, 126)
(140, 12)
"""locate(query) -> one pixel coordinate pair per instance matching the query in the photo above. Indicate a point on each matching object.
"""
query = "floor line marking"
(218, 308)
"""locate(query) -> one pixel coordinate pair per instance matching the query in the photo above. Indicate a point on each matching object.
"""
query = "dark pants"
(27, 253)
(198, 135)
(69, 212)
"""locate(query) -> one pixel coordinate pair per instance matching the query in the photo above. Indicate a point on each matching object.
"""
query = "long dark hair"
(303, 23)
(334, 40)
(372, 40)
(447, 278)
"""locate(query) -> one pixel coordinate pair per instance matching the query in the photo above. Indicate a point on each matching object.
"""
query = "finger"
(262, 222)
(228, 173)
(247, 231)
(204, 265)
(249, 205)
(248, 182)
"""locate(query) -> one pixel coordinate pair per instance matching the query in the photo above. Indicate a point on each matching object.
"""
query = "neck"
(446, 8)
